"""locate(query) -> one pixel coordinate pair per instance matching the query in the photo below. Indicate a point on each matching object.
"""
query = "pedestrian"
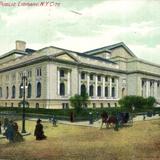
(144, 117)
(54, 121)
(39, 133)
(17, 136)
(9, 132)
(72, 116)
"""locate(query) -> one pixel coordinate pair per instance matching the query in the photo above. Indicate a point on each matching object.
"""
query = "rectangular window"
(61, 73)
(38, 72)
(91, 76)
(82, 75)
(29, 74)
(94, 105)
(113, 80)
(106, 79)
(99, 78)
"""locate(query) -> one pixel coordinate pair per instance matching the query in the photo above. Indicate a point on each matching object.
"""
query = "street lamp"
(23, 87)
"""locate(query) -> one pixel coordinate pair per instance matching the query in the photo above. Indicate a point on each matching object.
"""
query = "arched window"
(13, 91)
(38, 89)
(37, 105)
(0, 91)
(99, 91)
(7, 92)
(21, 90)
(113, 92)
(29, 90)
(91, 90)
(106, 92)
(83, 89)
(62, 89)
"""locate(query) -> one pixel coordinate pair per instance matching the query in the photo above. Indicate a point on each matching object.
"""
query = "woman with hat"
(39, 133)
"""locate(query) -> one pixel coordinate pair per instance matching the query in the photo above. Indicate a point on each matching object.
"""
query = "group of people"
(11, 132)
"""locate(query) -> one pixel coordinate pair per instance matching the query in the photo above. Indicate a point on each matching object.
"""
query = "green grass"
(67, 142)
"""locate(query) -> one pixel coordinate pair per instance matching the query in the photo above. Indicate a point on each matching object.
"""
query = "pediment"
(121, 52)
(65, 56)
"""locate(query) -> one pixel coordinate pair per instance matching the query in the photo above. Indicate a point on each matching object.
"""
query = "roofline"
(113, 46)
(79, 54)
(14, 51)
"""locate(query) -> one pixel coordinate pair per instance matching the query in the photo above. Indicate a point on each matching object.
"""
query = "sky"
(82, 25)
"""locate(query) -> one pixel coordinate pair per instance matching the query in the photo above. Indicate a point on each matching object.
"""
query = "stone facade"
(55, 74)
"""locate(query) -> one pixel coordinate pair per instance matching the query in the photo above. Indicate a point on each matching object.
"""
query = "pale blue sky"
(100, 23)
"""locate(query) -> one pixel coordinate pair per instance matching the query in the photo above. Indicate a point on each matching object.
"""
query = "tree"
(128, 102)
(138, 102)
(150, 101)
(78, 101)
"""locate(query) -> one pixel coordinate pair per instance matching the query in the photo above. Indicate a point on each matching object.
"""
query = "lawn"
(66, 142)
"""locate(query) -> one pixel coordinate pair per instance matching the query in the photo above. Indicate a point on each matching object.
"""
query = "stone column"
(155, 89)
(88, 83)
(79, 83)
(143, 89)
(103, 86)
(110, 87)
(152, 89)
(117, 95)
(147, 88)
(95, 91)
(68, 82)
(58, 80)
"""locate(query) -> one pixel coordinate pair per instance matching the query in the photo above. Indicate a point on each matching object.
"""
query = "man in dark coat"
(39, 133)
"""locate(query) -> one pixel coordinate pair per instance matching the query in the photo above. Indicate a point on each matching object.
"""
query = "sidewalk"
(97, 123)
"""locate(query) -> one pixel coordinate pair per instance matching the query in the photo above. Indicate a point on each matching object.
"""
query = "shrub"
(128, 102)
(78, 101)
(138, 102)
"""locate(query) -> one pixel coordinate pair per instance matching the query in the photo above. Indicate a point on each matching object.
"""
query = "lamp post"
(24, 86)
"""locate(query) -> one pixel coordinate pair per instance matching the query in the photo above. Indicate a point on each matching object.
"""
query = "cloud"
(102, 23)
(150, 54)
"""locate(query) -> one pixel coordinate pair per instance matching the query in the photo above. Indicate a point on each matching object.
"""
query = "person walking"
(54, 121)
